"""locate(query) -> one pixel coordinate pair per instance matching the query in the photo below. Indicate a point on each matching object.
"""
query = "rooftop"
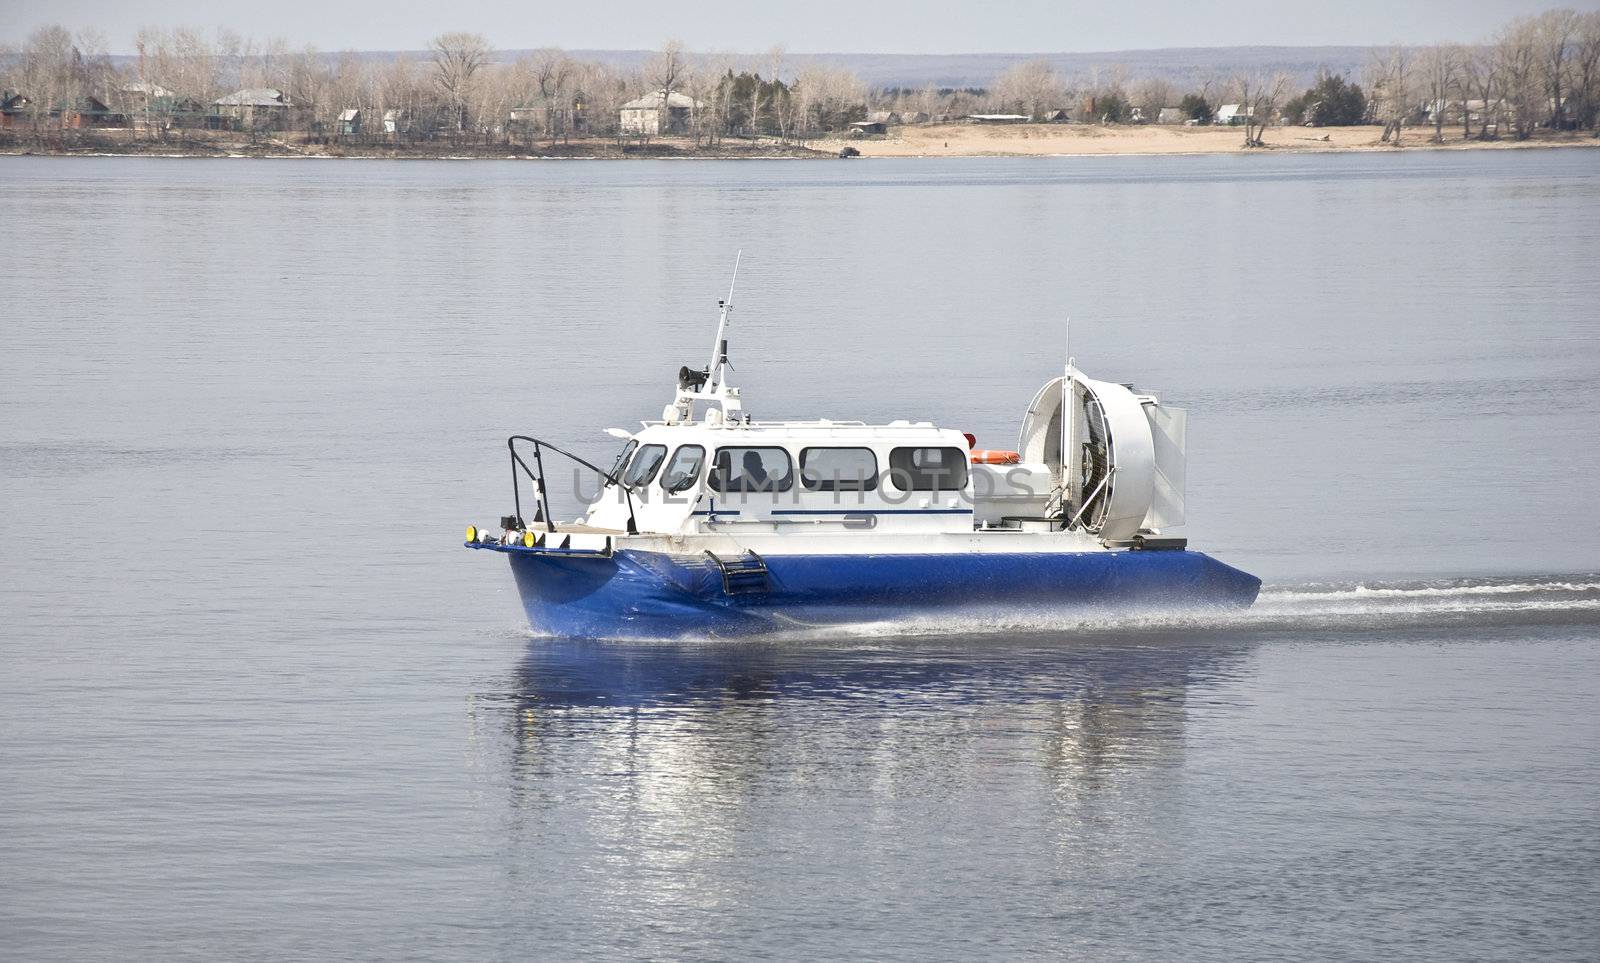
(149, 89)
(254, 97)
(660, 98)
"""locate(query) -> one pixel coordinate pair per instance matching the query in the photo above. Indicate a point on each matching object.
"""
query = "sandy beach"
(1022, 140)
(939, 140)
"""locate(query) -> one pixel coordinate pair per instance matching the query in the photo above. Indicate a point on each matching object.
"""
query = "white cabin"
(706, 477)
(699, 478)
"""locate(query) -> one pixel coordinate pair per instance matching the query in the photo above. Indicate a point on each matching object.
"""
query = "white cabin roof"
(798, 433)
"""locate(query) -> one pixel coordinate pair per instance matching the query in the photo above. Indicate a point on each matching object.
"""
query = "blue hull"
(649, 595)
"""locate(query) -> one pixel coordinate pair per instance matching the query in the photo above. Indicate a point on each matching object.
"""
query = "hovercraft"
(713, 523)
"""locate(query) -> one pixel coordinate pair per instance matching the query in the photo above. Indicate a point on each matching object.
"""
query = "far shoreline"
(919, 142)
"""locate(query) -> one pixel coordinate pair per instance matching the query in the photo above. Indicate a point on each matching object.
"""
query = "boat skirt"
(637, 594)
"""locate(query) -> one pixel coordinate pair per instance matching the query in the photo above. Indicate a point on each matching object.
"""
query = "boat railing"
(535, 473)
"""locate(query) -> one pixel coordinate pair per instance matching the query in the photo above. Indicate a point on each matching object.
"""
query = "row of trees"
(460, 86)
(1536, 71)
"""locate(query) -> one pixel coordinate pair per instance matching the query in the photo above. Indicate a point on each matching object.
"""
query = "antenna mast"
(1069, 423)
(719, 347)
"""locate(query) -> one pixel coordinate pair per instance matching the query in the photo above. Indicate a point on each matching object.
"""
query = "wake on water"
(1289, 609)
(1303, 608)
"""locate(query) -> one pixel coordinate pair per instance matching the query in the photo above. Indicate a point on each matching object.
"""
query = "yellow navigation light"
(472, 533)
(528, 538)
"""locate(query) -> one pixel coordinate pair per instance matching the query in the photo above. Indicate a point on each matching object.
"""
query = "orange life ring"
(994, 456)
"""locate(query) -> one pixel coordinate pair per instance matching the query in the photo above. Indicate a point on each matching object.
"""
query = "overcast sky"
(804, 26)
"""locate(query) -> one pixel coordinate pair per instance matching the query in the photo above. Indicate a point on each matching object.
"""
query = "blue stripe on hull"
(652, 595)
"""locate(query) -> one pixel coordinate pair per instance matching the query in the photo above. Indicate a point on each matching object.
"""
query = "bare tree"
(669, 69)
(1389, 79)
(1028, 88)
(552, 73)
(1555, 31)
(348, 88)
(1481, 76)
(183, 63)
(230, 55)
(399, 98)
(49, 73)
(493, 96)
(1439, 68)
(146, 106)
(1586, 69)
(1259, 99)
(706, 87)
(457, 58)
(775, 72)
(1152, 94)
(823, 96)
(603, 91)
(1516, 50)
(306, 82)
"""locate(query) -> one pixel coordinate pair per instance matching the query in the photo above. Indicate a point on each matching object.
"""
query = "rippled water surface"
(256, 703)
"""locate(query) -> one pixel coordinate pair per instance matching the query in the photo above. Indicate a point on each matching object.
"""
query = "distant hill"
(1187, 66)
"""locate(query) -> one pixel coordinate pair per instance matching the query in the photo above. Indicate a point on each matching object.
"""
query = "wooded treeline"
(1536, 72)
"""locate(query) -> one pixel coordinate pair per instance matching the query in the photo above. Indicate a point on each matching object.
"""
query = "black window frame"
(623, 457)
(714, 479)
(644, 482)
(693, 480)
(899, 472)
(870, 481)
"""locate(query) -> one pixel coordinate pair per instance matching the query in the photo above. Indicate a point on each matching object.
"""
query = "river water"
(256, 702)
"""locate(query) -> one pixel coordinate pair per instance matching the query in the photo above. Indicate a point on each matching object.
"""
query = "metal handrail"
(537, 478)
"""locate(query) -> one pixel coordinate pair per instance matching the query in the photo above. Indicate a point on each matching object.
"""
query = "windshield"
(644, 465)
(684, 469)
(622, 458)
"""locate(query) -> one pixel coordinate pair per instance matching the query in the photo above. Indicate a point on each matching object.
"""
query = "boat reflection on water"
(689, 785)
(905, 708)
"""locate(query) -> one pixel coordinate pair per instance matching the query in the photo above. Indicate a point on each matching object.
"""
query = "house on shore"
(998, 118)
(1171, 115)
(659, 113)
(868, 128)
(548, 120)
(1056, 116)
(1232, 115)
(151, 106)
(14, 110)
(256, 108)
(76, 113)
(87, 111)
(143, 95)
(350, 122)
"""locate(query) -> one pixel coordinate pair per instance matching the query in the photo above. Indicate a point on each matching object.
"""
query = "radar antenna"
(711, 384)
(719, 347)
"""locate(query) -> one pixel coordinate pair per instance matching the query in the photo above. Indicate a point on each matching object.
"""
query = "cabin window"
(838, 470)
(752, 470)
(684, 469)
(622, 459)
(928, 469)
(644, 465)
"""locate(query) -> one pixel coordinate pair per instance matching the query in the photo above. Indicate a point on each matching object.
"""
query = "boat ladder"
(744, 575)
